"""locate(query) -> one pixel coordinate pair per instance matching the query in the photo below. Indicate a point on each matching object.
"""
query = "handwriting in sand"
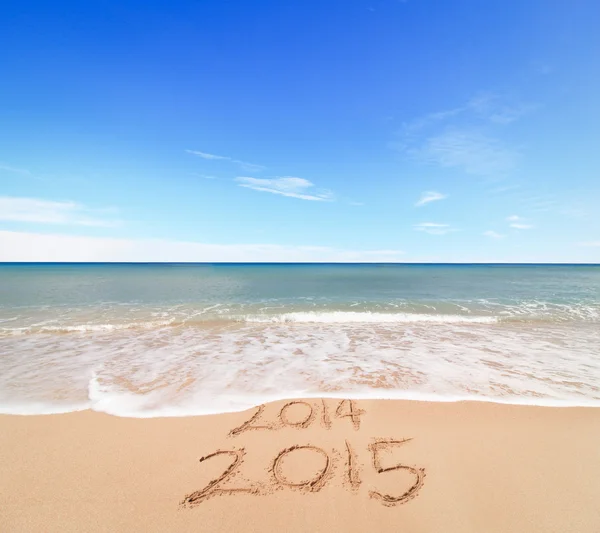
(346, 408)
(278, 479)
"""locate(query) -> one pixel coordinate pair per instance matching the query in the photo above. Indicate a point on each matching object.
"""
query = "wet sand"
(354, 466)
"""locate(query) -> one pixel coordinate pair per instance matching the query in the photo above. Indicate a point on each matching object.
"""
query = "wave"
(126, 405)
(42, 408)
(488, 313)
(193, 371)
(331, 317)
(346, 317)
(86, 328)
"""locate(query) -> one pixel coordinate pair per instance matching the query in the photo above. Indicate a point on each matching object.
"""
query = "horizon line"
(394, 263)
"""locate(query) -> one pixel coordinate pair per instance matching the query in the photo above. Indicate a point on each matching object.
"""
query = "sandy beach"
(314, 465)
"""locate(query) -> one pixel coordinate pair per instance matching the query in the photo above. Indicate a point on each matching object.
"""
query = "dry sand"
(468, 467)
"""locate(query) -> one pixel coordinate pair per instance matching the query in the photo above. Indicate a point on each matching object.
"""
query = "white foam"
(82, 328)
(85, 328)
(116, 318)
(191, 371)
(235, 404)
(349, 317)
(127, 406)
(41, 408)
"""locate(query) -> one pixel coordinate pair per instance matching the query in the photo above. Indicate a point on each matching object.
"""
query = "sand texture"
(306, 466)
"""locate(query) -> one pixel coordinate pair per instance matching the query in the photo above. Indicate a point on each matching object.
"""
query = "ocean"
(146, 340)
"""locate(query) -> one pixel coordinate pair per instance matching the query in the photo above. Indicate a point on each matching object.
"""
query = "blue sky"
(376, 130)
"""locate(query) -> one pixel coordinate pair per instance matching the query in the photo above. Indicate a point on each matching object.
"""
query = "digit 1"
(353, 478)
(325, 420)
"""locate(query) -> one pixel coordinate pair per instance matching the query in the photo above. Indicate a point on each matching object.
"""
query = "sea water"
(178, 339)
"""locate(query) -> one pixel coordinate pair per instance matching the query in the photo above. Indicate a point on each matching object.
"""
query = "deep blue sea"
(178, 339)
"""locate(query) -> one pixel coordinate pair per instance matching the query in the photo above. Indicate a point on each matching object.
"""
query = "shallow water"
(167, 340)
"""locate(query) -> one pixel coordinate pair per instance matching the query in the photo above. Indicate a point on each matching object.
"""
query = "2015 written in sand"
(314, 481)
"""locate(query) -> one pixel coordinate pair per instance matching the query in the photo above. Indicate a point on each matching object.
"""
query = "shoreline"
(309, 465)
(171, 411)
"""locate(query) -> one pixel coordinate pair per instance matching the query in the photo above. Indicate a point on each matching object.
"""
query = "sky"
(300, 130)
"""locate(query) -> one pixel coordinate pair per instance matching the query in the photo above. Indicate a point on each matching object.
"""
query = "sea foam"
(191, 370)
(349, 317)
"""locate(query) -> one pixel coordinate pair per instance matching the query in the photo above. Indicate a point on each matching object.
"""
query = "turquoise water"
(149, 340)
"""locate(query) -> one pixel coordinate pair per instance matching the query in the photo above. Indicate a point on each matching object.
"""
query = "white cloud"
(249, 167)
(464, 137)
(204, 155)
(431, 225)
(590, 243)
(15, 170)
(14, 209)
(493, 234)
(430, 196)
(24, 246)
(506, 188)
(286, 186)
(540, 202)
(518, 222)
(493, 108)
(521, 226)
(574, 211)
(471, 151)
(424, 122)
(433, 228)
(482, 108)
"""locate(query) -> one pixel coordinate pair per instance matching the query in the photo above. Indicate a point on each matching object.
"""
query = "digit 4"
(353, 412)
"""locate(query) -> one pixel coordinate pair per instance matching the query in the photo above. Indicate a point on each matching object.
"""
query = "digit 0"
(313, 485)
(300, 424)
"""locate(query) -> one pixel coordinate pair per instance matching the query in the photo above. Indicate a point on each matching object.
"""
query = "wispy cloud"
(493, 235)
(518, 222)
(540, 202)
(590, 243)
(287, 186)
(483, 107)
(493, 108)
(433, 228)
(205, 155)
(249, 167)
(465, 137)
(17, 209)
(471, 151)
(574, 211)
(418, 125)
(504, 189)
(14, 170)
(430, 196)
(521, 226)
